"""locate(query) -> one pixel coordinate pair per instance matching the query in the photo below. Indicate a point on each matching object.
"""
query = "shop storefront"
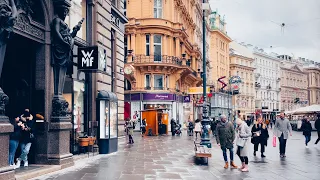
(221, 103)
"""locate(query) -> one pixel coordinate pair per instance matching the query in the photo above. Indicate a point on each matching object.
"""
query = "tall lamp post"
(205, 140)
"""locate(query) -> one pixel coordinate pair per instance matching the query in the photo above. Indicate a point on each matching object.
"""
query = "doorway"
(17, 79)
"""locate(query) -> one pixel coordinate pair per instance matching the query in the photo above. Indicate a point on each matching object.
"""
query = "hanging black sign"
(88, 58)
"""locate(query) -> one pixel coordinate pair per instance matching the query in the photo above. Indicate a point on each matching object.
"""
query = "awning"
(106, 95)
(308, 110)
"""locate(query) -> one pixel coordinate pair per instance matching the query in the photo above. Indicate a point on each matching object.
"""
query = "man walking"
(225, 137)
(317, 125)
(282, 130)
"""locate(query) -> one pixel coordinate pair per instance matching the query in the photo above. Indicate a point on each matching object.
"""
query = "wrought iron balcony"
(159, 59)
(269, 87)
(257, 85)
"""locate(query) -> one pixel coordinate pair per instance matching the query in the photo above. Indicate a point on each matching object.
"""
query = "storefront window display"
(113, 119)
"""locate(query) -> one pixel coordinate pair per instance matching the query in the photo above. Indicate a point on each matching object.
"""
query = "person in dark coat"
(173, 126)
(306, 129)
(213, 126)
(14, 139)
(225, 138)
(317, 126)
(27, 136)
(260, 136)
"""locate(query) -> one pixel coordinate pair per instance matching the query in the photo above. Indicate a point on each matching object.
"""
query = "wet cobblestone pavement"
(167, 157)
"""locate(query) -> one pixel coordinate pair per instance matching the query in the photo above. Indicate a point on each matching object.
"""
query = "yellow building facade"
(163, 57)
(219, 50)
(241, 64)
(313, 73)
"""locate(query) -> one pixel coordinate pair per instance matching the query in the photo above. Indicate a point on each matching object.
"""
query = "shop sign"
(186, 99)
(235, 80)
(115, 20)
(197, 90)
(161, 97)
(88, 58)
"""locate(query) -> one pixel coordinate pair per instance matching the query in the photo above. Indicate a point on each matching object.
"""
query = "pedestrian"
(225, 136)
(197, 128)
(244, 134)
(282, 130)
(14, 139)
(260, 136)
(317, 126)
(173, 126)
(306, 128)
(267, 122)
(190, 127)
(143, 126)
(27, 137)
(130, 131)
(214, 124)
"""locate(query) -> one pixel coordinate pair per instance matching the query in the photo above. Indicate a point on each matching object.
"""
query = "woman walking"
(242, 150)
(306, 129)
(260, 136)
(197, 128)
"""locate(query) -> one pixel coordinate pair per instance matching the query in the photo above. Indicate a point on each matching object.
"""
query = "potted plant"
(92, 140)
(83, 141)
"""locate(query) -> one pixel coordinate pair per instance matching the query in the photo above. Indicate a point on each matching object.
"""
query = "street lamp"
(205, 140)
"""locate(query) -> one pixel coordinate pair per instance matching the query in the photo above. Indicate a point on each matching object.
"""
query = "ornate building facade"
(313, 73)
(163, 56)
(242, 65)
(61, 98)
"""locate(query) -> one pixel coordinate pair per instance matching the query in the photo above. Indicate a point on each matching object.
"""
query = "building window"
(148, 44)
(114, 2)
(125, 49)
(147, 82)
(158, 82)
(167, 82)
(157, 10)
(125, 7)
(113, 61)
(157, 47)
(127, 84)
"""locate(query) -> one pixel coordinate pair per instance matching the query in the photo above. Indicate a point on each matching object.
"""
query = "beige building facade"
(241, 64)
(294, 88)
(314, 84)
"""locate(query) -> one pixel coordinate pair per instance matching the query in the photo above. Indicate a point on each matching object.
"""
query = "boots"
(226, 166)
(233, 165)
(245, 169)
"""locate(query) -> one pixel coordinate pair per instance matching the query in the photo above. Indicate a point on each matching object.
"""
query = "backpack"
(190, 125)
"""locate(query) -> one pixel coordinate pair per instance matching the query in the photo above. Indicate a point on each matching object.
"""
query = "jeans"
(318, 137)
(283, 144)
(130, 139)
(225, 157)
(13, 145)
(243, 159)
(25, 148)
(308, 139)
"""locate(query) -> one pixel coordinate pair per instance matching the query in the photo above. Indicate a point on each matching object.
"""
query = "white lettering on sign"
(161, 96)
(87, 59)
(115, 20)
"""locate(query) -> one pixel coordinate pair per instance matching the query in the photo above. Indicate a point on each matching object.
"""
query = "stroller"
(178, 129)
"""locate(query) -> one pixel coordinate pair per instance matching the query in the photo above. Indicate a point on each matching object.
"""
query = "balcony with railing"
(157, 59)
(257, 85)
(268, 87)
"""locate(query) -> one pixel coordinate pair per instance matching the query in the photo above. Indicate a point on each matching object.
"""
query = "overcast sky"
(250, 21)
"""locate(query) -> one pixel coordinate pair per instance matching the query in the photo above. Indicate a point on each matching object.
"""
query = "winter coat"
(225, 135)
(190, 125)
(213, 125)
(264, 134)
(282, 126)
(16, 134)
(244, 132)
(306, 128)
(317, 124)
(197, 127)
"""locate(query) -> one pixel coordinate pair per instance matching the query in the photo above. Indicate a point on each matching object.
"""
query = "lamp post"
(205, 140)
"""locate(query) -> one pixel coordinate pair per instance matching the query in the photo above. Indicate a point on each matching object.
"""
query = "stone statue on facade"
(62, 46)
(8, 14)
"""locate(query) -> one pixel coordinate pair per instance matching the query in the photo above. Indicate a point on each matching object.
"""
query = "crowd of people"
(23, 136)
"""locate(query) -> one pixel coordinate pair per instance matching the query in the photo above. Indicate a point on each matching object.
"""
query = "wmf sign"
(88, 59)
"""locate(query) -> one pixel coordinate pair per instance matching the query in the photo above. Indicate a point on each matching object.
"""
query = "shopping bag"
(274, 141)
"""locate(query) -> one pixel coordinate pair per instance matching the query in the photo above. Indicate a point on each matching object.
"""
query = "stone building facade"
(28, 76)
(313, 73)
(242, 65)
(163, 57)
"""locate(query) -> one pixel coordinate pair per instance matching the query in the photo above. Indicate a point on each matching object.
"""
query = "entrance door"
(17, 79)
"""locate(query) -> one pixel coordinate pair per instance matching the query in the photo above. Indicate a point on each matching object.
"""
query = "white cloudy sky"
(250, 21)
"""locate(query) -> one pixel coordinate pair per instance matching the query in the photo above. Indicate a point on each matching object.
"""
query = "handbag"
(274, 141)
(241, 142)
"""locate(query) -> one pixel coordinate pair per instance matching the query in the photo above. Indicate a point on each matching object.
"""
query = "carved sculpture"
(62, 45)
(8, 14)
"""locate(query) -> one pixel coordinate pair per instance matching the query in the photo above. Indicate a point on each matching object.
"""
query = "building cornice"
(240, 56)
(242, 66)
(226, 37)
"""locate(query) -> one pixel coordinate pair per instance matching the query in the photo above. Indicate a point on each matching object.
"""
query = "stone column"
(133, 42)
(193, 64)
(129, 41)
(164, 45)
(151, 45)
(178, 54)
